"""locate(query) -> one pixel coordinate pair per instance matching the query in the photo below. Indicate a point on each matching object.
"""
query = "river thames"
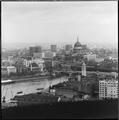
(27, 87)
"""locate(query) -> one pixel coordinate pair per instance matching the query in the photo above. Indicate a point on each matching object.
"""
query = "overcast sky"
(36, 23)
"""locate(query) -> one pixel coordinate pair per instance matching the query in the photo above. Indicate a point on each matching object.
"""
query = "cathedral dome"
(77, 44)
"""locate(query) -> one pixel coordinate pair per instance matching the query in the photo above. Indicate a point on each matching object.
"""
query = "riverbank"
(28, 86)
(22, 77)
(36, 78)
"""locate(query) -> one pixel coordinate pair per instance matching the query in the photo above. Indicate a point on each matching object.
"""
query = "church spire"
(83, 69)
(77, 39)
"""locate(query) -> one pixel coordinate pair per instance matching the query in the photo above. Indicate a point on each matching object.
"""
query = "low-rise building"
(46, 54)
(108, 88)
(26, 62)
(39, 55)
(19, 64)
(115, 74)
(49, 54)
(98, 60)
(5, 71)
(39, 63)
(65, 92)
(11, 69)
(5, 62)
(34, 67)
(91, 57)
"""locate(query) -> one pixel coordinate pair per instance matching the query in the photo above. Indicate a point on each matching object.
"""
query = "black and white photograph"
(59, 59)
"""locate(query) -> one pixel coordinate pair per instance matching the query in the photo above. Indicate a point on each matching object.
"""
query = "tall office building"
(36, 49)
(53, 48)
(68, 47)
(83, 69)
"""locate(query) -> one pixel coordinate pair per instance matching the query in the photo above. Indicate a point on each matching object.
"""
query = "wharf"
(35, 98)
(7, 105)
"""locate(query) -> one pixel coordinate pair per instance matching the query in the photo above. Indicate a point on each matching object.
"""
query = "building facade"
(68, 47)
(38, 55)
(83, 69)
(91, 57)
(36, 49)
(6, 71)
(11, 69)
(38, 61)
(49, 54)
(53, 48)
(108, 89)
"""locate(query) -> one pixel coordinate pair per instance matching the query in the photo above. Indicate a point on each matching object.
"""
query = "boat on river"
(39, 88)
(7, 81)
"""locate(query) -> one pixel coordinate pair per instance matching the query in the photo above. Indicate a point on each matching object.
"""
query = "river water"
(10, 90)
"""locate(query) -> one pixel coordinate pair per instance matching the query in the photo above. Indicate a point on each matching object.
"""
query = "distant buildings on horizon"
(59, 45)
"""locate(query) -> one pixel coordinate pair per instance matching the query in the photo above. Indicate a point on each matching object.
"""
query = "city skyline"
(43, 23)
